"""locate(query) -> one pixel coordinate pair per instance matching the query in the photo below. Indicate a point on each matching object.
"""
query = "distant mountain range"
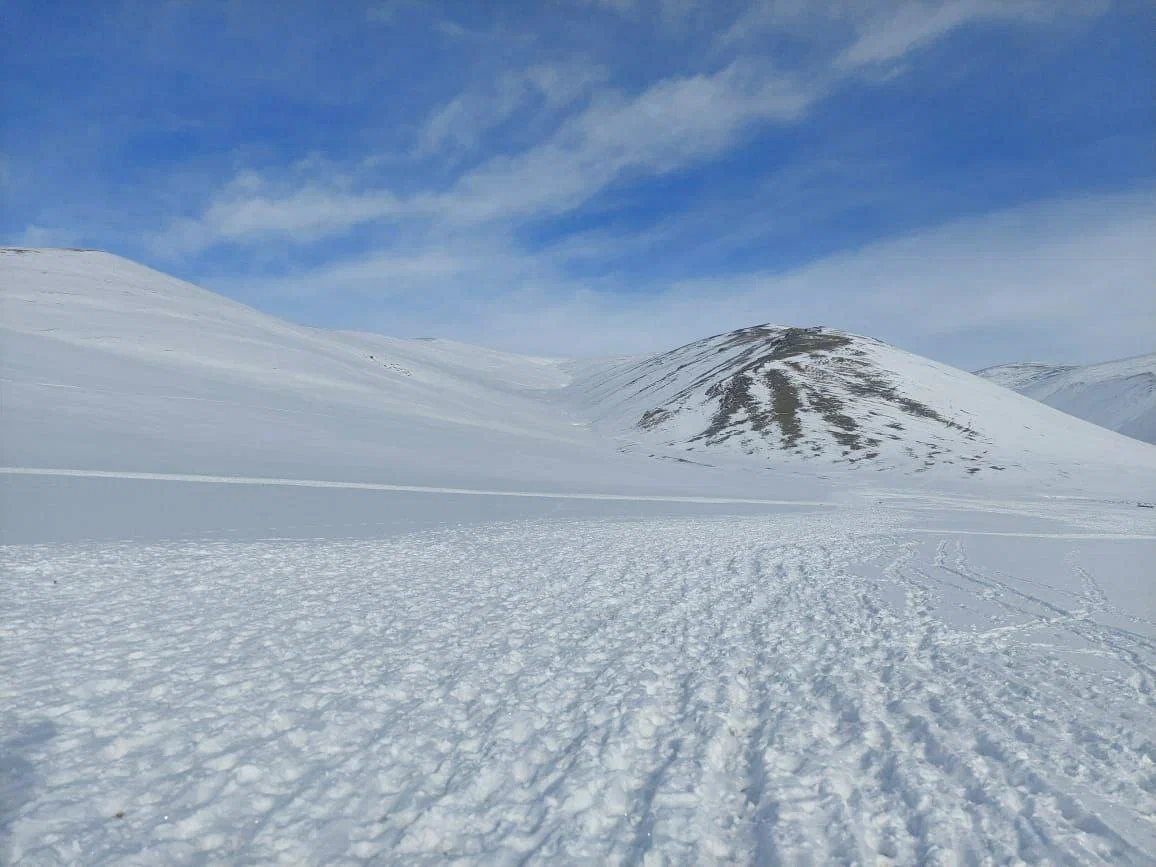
(1120, 395)
(107, 364)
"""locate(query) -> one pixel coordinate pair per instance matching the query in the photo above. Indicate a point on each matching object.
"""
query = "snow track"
(199, 478)
(772, 690)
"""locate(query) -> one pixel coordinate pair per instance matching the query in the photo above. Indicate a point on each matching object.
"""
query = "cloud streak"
(1076, 270)
(674, 122)
(664, 128)
(609, 175)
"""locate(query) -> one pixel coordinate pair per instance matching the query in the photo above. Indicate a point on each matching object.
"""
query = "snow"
(823, 688)
(863, 406)
(108, 365)
(280, 595)
(1120, 395)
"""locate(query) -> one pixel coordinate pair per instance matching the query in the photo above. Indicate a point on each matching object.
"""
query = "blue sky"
(970, 179)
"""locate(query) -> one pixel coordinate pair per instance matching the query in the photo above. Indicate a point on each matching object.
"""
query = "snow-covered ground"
(1120, 395)
(864, 685)
(279, 595)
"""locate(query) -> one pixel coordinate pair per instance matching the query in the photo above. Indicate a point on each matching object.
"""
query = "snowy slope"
(1120, 395)
(110, 365)
(797, 396)
(184, 342)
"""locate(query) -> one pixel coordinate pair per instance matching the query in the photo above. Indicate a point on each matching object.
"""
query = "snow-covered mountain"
(1120, 395)
(273, 594)
(111, 365)
(789, 396)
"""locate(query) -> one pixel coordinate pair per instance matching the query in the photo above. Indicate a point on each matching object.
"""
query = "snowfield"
(273, 594)
(819, 688)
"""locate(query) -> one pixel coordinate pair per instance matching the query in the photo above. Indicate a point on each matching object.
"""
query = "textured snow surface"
(1120, 395)
(825, 688)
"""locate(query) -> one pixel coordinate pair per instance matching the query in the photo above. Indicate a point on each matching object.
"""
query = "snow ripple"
(682, 692)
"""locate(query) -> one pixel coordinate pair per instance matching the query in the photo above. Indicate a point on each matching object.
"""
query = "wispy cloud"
(245, 213)
(1072, 276)
(461, 123)
(609, 136)
(46, 236)
(384, 11)
(888, 32)
(556, 176)
(667, 126)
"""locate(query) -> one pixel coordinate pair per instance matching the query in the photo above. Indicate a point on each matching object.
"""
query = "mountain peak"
(801, 392)
(789, 395)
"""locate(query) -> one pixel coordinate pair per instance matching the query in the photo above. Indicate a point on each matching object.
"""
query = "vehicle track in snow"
(685, 692)
(200, 478)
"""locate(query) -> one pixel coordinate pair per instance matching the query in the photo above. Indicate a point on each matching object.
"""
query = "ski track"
(198, 478)
(659, 692)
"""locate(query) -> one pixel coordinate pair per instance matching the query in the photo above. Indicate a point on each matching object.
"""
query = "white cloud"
(670, 125)
(1060, 280)
(613, 137)
(309, 213)
(385, 11)
(667, 126)
(672, 14)
(45, 236)
(245, 213)
(1078, 270)
(894, 32)
(1075, 270)
(381, 276)
(463, 121)
(876, 32)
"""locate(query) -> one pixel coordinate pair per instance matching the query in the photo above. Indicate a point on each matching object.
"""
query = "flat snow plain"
(336, 676)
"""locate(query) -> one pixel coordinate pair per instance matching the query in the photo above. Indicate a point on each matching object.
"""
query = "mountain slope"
(817, 395)
(108, 365)
(1119, 395)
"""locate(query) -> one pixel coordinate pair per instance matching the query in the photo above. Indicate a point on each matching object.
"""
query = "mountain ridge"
(110, 364)
(1119, 395)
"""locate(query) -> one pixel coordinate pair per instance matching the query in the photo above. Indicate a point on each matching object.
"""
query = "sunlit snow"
(279, 595)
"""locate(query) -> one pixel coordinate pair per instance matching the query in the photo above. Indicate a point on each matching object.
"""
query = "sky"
(972, 180)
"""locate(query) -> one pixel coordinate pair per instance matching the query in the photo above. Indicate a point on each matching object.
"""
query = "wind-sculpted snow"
(818, 689)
